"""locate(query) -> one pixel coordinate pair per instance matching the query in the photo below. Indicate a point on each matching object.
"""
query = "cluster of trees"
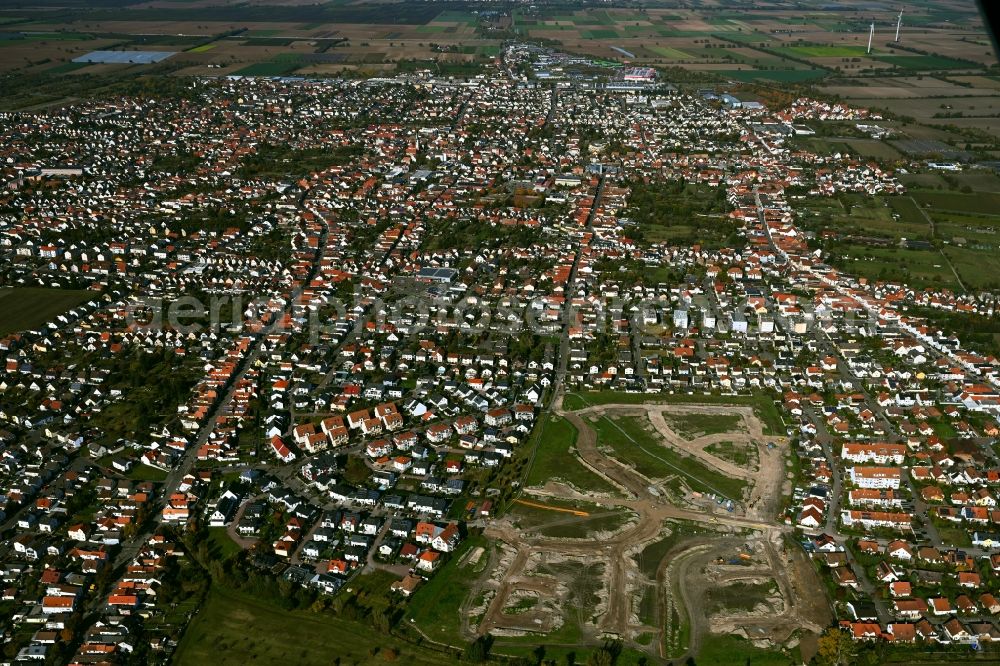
(153, 385)
(276, 161)
(237, 572)
(676, 203)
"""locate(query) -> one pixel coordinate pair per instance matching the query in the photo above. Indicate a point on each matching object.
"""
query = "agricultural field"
(744, 48)
(27, 308)
(919, 268)
(892, 218)
(982, 202)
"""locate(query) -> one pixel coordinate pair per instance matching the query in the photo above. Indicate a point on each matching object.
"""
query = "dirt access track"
(622, 581)
(766, 482)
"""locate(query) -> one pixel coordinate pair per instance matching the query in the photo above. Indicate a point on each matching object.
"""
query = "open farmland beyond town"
(513, 333)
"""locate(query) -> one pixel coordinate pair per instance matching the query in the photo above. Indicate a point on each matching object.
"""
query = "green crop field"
(669, 52)
(922, 62)
(779, 75)
(26, 308)
(826, 51)
(982, 202)
(908, 211)
(276, 67)
(600, 34)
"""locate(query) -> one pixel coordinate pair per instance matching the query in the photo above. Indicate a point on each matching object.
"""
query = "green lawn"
(237, 629)
(140, 472)
(554, 439)
(220, 545)
(29, 307)
(635, 445)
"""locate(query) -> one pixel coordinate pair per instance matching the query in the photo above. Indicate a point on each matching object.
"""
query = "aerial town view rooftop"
(557, 333)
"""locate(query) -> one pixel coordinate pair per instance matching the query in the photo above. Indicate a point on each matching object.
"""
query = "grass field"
(220, 545)
(908, 212)
(980, 202)
(739, 596)
(65, 67)
(730, 650)
(635, 445)
(764, 408)
(694, 425)
(554, 438)
(739, 454)
(235, 629)
(978, 269)
(26, 308)
(436, 606)
(651, 556)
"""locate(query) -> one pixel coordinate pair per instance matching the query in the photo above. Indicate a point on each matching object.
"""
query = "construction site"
(681, 543)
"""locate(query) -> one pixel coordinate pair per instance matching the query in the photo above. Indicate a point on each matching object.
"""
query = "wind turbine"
(871, 36)
(899, 24)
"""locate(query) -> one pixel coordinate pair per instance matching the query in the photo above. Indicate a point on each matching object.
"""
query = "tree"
(600, 657)
(835, 648)
(478, 650)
